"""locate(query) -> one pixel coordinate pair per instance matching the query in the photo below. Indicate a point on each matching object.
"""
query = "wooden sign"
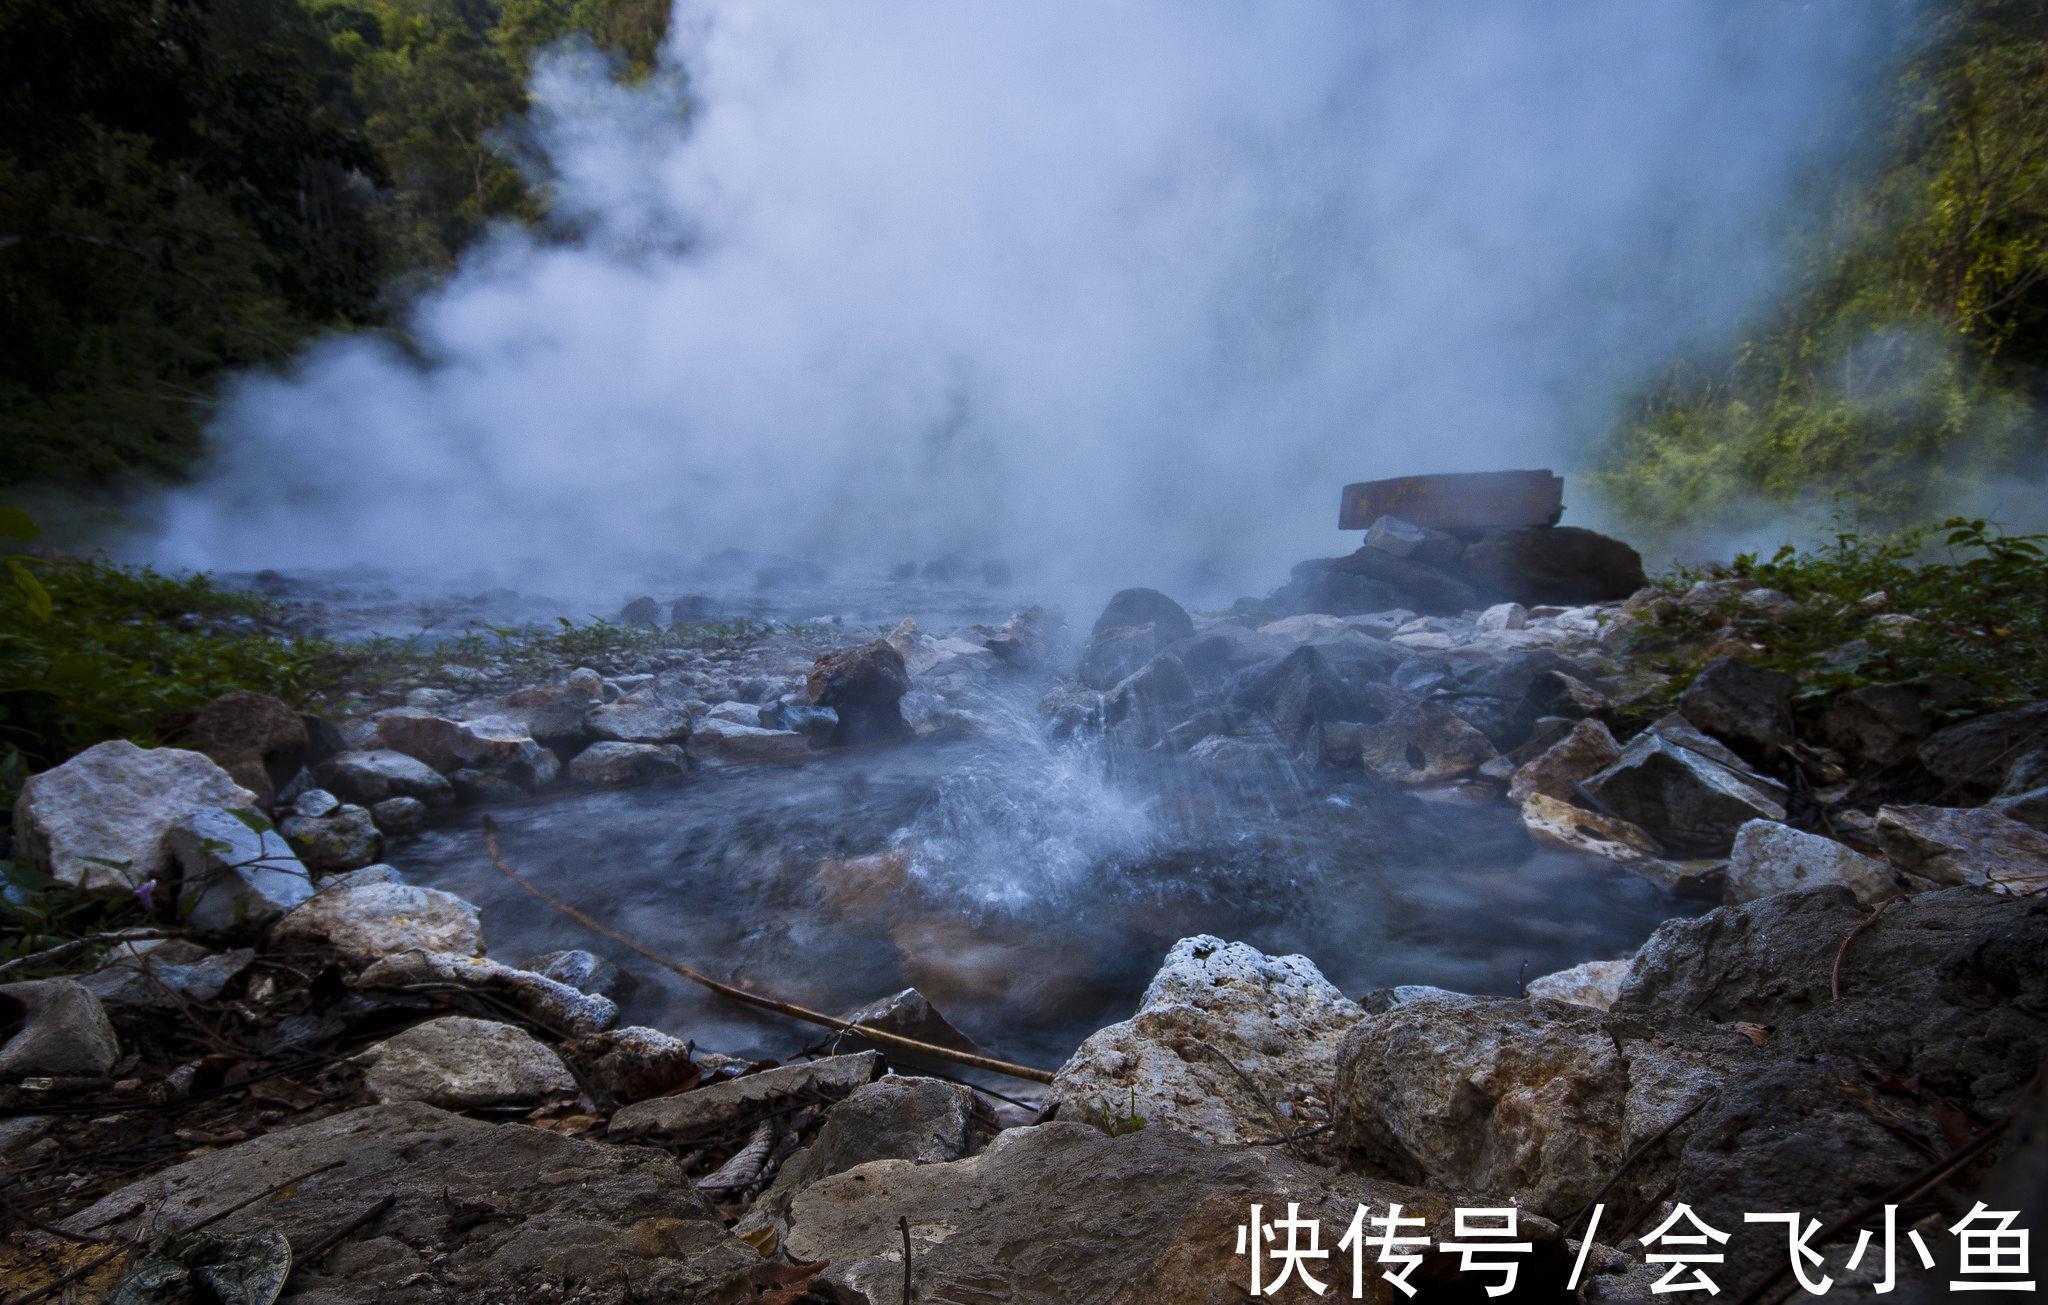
(1460, 501)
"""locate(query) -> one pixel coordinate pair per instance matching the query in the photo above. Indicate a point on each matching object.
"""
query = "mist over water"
(1110, 290)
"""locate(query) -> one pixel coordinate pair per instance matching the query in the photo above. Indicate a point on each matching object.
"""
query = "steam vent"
(1450, 543)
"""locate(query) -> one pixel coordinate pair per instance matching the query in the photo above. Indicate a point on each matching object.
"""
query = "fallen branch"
(1835, 979)
(320, 1248)
(741, 995)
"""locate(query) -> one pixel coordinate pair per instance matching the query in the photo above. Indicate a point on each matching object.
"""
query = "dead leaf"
(1756, 1033)
(763, 1240)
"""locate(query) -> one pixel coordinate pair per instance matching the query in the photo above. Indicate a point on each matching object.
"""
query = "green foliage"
(1904, 364)
(1117, 1124)
(1972, 592)
(38, 912)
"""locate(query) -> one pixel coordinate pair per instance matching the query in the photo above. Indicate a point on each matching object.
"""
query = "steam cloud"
(1100, 287)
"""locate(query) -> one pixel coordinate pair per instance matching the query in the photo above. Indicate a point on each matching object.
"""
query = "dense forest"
(192, 186)
(188, 187)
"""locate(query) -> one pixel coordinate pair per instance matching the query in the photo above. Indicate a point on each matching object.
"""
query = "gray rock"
(549, 1004)
(1061, 1213)
(164, 974)
(1400, 538)
(1689, 795)
(1504, 616)
(1769, 857)
(921, 1120)
(369, 922)
(617, 1221)
(1424, 744)
(313, 803)
(495, 745)
(1135, 626)
(397, 817)
(345, 840)
(62, 1030)
(1976, 755)
(641, 723)
(233, 878)
(603, 765)
(369, 874)
(1741, 704)
(642, 611)
(1148, 701)
(716, 1105)
(464, 1064)
(718, 742)
(908, 1014)
(1881, 724)
(635, 1062)
(581, 970)
(1558, 770)
(256, 738)
(115, 802)
(369, 777)
(1228, 1044)
(1966, 845)
(1591, 983)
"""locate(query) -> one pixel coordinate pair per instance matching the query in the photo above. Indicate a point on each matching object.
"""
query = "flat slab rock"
(1062, 1213)
(611, 1223)
(372, 921)
(728, 1100)
(1229, 1045)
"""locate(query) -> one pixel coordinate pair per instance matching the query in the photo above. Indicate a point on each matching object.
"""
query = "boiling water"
(1028, 887)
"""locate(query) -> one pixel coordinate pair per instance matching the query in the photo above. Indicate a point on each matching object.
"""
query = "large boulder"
(1689, 792)
(1135, 626)
(1769, 857)
(257, 739)
(1882, 724)
(115, 802)
(58, 1027)
(1228, 1044)
(535, 1210)
(1416, 543)
(865, 685)
(465, 1064)
(1966, 845)
(1424, 744)
(1745, 706)
(234, 875)
(1563, 565)
(1310, 685)
(1150, 700)
(1976, 755)
(369, 777)
(1395, 582)
(499, 746)
(375, 920)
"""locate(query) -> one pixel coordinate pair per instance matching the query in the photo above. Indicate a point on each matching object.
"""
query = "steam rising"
(1099, 287)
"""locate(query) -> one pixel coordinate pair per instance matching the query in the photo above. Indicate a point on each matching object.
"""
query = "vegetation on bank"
(1904, 368)
(192, 187)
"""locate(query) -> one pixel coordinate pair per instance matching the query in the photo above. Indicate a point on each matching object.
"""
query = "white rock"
(736, 713)
(637, 723)
(1311, 627)
(720, 742)
(611, 764)
(375, 920)
(1591, 983)
(459, 1063)
(232, 877)
(1504, 616)
(549, 1003)
(1966, 845)
(1769, 857)
(116, 802)
(1224, 1038)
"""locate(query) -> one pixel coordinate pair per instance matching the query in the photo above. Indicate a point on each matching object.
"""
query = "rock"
(2025, 794)
(740, 713)
(642, 611)
(1516, 1100)
(1422, 544)
(1966, 845)
(369, 777)
(369, 874)
(581, 970)
(1147, 702)
(718, 742)
(1554, 564)
(232, 877)
(1976, 755)
(1591, 983)
(1061, 1213)
(58, 1027)
(548, 1003)
(717, 1104)
(1769, 857)
(1684, 790)
(612, 764)
(115, 802)
(164, 974)
(460, 1063)
(1557, 771)
(1135, 626)
(1425, 744)
(372, 921)
(1026, 640)
(345, 840)
(1505, 699)
(257, 739)
(639, 723)
(1322, 589)
(495, 745)
(634, 1063)
(1316, 683)
(918, 1120)
(617, 1221)
(865, 686)
(481, 786)
(315, 803)
(1392, 582)
(1229, 1045)
(398, 817)
(909, 1015)
(1504, 616)
(1560, 824)
(1741, 705)
(1882, 724)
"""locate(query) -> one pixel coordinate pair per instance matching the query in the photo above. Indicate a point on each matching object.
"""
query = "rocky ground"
(307, 1077)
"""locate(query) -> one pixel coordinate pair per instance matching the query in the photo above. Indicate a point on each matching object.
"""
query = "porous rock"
(372, 921)
(116, 802)
(1769, 857)
(464, 1064)
(548, 1003)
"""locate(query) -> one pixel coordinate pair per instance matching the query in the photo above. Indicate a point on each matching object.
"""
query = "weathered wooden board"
(1460, 500)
